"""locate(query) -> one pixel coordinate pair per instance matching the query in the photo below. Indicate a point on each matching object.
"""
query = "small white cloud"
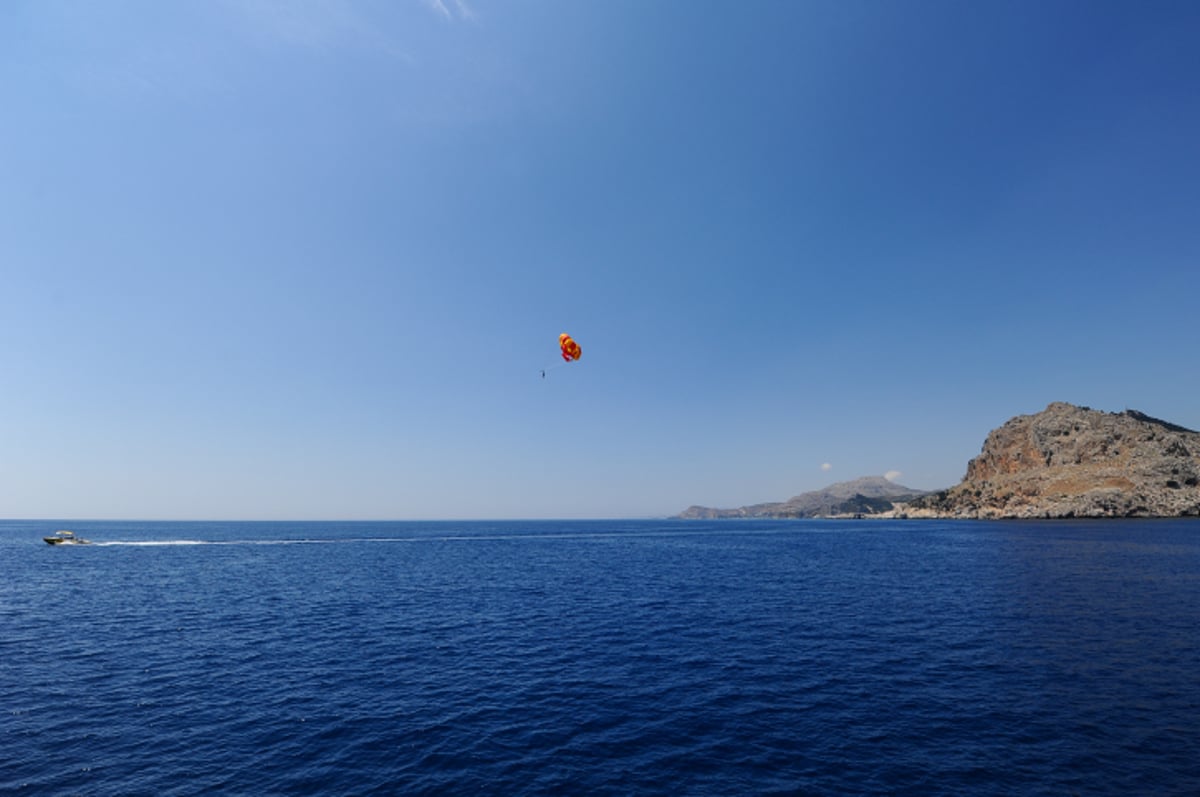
(892, 475)
(321, 25)
(464, 10)
(826, 466)
(460, 10)
(439, 7)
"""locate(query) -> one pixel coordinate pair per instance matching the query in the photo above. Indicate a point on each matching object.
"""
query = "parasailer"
(570, 349)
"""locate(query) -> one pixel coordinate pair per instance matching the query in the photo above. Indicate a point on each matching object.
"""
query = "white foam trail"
(163, 543)
(346, 540)
(149, 543)
(585, 535)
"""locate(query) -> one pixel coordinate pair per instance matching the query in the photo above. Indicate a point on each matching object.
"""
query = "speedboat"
(65, 538)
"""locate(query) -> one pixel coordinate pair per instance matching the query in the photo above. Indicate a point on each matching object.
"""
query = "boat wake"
(165, 543)
(414, 539)
(465, 537)
(156, 543)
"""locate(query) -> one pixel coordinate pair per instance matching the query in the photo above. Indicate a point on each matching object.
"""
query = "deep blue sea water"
(601, 657)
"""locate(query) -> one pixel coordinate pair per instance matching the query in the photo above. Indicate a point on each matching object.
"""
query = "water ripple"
(602, 658)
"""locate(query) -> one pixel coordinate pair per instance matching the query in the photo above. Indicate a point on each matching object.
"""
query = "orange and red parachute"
(570, 349)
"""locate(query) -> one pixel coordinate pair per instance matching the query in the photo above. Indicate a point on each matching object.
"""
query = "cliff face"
(868, 495)
(1069, 461)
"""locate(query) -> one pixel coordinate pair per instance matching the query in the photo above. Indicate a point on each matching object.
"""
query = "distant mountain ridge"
(867, 495)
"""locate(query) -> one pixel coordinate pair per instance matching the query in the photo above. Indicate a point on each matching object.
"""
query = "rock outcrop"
(865, 496)
(1072, 462)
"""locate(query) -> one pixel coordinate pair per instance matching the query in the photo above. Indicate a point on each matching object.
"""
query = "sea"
(598, 657)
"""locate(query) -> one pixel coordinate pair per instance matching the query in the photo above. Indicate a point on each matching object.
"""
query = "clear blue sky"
(272, 259)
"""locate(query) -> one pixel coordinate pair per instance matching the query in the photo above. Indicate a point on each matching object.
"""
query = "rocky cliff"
(1069, 461)
(868, 495)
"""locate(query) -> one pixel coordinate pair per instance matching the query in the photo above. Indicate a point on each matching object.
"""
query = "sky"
(307, 260)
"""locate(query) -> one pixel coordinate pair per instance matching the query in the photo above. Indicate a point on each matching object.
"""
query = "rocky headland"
(1076, 462)
(1063, 462)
